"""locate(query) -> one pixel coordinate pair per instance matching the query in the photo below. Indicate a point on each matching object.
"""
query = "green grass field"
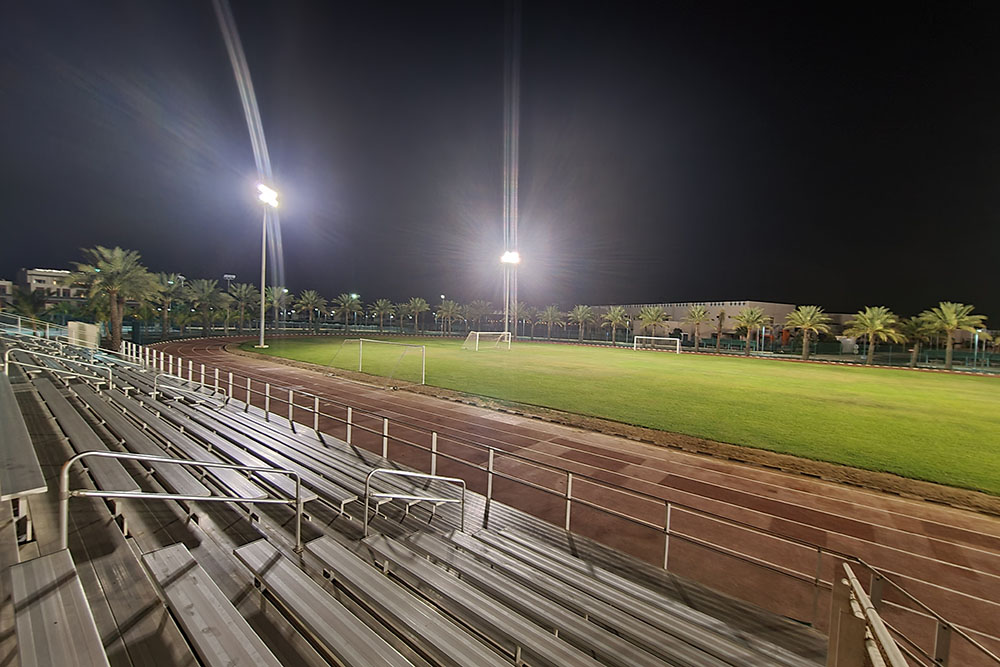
(931, 426)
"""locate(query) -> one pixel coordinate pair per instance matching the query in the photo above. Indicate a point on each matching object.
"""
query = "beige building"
(774, 314)
(53, 281)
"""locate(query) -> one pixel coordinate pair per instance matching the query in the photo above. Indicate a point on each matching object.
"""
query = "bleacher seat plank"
(573, 627)
(54, 623)
(342, 633)
(177, 478)
(20, 473)
(445, 642)
(108, 473)
(235, 482)
(531, 643)
(220, 635)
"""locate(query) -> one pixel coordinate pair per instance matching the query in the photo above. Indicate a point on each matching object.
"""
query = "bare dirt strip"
(949, 558)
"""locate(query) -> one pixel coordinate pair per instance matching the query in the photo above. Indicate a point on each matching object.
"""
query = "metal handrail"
(393, 472)
(183, 390)
(856, 628)
(65, 493)
(7, 362)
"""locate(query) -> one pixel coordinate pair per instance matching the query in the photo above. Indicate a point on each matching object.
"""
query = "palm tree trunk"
(948, 351)
(805, 344)
(164, 320)
(239, 327)
(116, 321)
(581, 332)
(871, 351)
(915, 355)
(612, 334)
(746, 348)
(697, 336)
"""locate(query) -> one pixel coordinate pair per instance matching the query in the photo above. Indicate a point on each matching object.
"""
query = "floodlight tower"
(512, 132)
(510, 260)
(270, 198)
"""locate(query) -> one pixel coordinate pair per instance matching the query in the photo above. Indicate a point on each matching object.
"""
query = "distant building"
(6, 293)
(53, 281)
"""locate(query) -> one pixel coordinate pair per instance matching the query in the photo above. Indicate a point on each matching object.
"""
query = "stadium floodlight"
(494, 339)
(269, 197)
(511, 257)
(656, 343)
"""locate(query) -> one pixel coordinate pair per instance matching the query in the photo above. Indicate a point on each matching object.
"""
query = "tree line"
(115, 277)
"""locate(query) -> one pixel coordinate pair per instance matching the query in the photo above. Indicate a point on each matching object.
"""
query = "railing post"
(161, 359)
(942, 644)
(298, 514)
(246, 406)
(203, 375)
(385, 437)
(666, 538)
(291, 406)
(316, 413)
(349, 418)
(230, 384)
(876, 590)
(434, 452)
(216, 380)
(171, 371)
(489, 477)
(190, 371)
(569, 497)
(846, 646)
(267, 399)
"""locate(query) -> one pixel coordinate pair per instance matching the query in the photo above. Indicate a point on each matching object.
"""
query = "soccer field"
(931, 426)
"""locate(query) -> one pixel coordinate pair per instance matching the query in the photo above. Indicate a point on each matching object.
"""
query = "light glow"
(511, 257)
(267, 195)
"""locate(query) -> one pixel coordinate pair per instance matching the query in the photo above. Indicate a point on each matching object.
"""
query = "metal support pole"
(569, 497)
(942, 644)
(291, 406)
(263, 275)
(361, 353)
(230, 384)
(203, 375)
(349, 421)
(216, 380)
(267, 399)
(434, 452)
(161, 359)
(385, 437)
(666, 539)
(489, 476)
(190, 371)
(316, 413)
(816, 584)
(423, 365)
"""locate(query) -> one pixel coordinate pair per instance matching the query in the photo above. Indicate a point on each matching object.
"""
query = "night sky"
(831, 153)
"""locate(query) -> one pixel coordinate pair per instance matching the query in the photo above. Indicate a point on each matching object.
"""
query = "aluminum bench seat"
(54, 623)
(525, 640)
(219, 634)
(107, 473)
(20, 472)
(439, 638)
(331, 624)
(234, 482)
(175, 477)
(572, 626)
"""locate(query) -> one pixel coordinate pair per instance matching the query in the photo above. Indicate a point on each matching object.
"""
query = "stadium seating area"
(215, 570)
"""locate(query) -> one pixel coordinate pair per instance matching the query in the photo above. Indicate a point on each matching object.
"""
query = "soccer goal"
(485, 339)
(657, 343)
(396, 361)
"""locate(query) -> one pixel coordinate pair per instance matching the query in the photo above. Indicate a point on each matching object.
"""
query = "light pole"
(229, 278)
(355, 297)
(510, 259)
(269, 197)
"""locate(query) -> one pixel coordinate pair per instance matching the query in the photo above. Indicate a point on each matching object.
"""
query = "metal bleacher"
(172, 559)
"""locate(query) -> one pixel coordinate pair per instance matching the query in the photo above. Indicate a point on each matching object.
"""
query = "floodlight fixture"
(267, 195)
(511, 257)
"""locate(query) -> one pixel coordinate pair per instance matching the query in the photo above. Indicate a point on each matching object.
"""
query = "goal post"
(656, 343)
(406, 347)
(483, 339)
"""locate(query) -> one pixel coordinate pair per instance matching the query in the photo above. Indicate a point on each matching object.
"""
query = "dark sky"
(832, 153)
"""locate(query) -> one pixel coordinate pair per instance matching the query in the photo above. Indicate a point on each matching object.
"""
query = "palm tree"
(184, 317)
(402, 311)
(529, 314)
(311, 301)
(344, 306)
(950, 318)
(917, 330)
(382, 308)
(697, 315)
(581, 315)
(652, 317)
(275, 297)
(205, 296)
(551, 315)
(448, 312)
(614, 318)
(751, 318)
(30, 303)
(121, 276)
(810, 319)
(171, 286)
(876, 323)
(477, 310)
(720, 322)
(245, 295)
(415, 306)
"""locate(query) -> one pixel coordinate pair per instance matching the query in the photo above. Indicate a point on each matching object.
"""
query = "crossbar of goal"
(472, 341)
(361, 352)
(654, 339)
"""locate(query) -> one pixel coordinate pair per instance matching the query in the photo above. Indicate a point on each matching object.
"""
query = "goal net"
(405, 362)
(657, 343)
(477, 340)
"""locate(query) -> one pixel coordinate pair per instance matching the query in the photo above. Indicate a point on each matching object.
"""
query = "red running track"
(948, 558)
